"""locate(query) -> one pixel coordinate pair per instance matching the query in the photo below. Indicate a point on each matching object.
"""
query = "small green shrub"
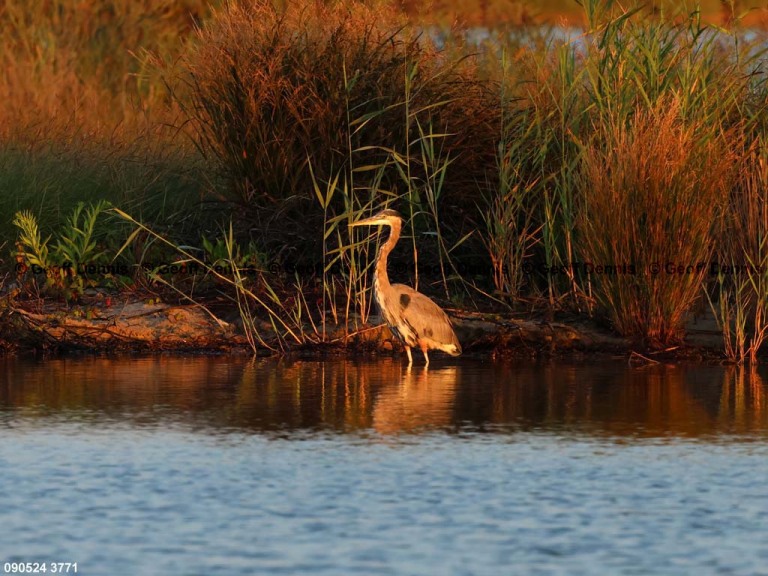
(63, 265)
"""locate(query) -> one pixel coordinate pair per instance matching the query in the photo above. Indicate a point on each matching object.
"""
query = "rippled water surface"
(232, 466)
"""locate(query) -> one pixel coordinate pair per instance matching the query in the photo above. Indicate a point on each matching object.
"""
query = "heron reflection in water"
(417, 401)
(412, 317)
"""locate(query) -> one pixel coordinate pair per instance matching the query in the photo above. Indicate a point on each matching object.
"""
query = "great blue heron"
(415, 319)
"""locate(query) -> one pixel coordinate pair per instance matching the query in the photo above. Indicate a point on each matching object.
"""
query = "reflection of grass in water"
(603, 400)
(743, 405)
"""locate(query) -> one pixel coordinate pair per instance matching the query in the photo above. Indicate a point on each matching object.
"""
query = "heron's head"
(383, 218)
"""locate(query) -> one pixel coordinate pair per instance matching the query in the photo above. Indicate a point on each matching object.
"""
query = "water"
(229, 466)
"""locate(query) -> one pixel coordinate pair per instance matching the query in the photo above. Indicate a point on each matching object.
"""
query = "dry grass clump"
(653, 192)
(347, 87)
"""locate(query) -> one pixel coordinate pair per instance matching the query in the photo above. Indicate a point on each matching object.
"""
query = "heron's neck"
(381, 262)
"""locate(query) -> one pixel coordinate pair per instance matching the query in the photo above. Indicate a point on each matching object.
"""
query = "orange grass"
(653, 195)
(83, 65)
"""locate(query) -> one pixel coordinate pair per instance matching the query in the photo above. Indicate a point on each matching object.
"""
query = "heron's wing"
(426, 318)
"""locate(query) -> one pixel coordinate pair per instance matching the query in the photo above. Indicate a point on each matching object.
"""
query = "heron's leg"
(408, 351)
(426, 357)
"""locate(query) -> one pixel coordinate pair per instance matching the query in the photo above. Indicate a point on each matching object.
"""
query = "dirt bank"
(148, 326)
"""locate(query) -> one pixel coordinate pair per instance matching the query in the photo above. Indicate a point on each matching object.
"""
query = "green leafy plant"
(76, 242)
(225, 250)
(75, 247)
(30, 244)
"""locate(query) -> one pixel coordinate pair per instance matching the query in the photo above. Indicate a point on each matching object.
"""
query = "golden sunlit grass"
(653, 192)
(83, 116)
(742, 273)
(82, 65)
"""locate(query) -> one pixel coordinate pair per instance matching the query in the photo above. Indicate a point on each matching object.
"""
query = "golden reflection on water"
(421, 399)
(386, 397)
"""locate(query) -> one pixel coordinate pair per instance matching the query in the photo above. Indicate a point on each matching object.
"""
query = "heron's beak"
(373, 221)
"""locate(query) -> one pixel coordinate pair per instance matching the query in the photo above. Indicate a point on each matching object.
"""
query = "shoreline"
(139, 327)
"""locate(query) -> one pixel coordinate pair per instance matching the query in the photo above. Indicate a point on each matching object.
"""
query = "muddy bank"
(141, 326)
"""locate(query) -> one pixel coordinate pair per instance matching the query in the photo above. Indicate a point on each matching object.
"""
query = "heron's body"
(413, 318)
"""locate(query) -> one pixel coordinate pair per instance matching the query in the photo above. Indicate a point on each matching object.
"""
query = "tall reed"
(742, 258)
(508, 211)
